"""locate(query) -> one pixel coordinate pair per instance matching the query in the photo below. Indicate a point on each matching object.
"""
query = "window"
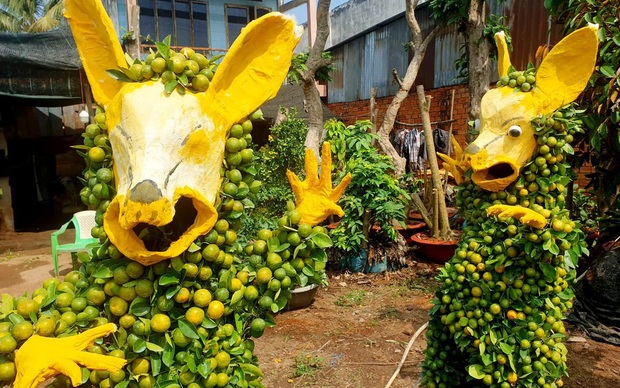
(186, 20)
(236, 19)
(238, 16)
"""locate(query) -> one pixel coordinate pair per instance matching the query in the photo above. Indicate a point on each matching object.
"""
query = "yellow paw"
(316, 198)
(524, 215)
(40, 358)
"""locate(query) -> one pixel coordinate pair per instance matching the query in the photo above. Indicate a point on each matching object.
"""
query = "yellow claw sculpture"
(316, 198)
(40, 358)
(524, 215)
(455, 166)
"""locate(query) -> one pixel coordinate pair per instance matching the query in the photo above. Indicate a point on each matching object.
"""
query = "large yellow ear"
(97, 45)
(503, 57)
(565, 71)
(254, 68)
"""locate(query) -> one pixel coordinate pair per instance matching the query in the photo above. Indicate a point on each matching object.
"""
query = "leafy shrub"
(285, 150)
(374, 193)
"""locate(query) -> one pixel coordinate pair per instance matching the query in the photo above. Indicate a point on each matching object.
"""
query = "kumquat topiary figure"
(497, 319)
(170, 297)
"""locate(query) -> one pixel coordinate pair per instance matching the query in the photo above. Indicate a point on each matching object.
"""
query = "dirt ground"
(353, 335)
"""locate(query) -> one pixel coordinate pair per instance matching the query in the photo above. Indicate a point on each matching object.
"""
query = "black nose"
(145, 192)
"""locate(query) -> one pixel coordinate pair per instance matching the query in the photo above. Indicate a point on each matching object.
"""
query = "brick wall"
(409, 113)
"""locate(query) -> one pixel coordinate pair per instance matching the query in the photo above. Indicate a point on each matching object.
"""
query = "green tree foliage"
(285, 150)
(298, 67)
(456, 12)
(30, 15)
(601, 146)
(374, 194)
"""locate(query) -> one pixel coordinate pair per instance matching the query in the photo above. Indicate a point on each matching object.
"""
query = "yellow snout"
(151, 232)
(493, 174)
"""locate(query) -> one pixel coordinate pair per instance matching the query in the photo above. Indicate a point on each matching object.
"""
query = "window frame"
(238, 6)
(175, 34)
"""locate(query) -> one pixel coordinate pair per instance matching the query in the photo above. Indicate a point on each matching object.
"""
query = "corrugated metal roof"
(358, 71)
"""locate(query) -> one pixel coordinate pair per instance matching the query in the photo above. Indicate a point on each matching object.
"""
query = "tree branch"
(396, 77)
(315, 61)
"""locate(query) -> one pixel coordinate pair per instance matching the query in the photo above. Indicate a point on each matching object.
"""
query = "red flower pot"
(435, 250)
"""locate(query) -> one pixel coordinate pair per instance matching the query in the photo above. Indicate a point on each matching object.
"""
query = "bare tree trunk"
(419, 45)
(444, 226)
(478, 56)
(315, 61)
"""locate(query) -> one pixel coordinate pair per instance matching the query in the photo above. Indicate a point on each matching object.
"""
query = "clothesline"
(420, 124)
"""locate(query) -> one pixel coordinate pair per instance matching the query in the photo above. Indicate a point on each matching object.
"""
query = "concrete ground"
(26, 260)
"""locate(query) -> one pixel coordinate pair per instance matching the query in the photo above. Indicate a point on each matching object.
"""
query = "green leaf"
(237, 296)
(140, 307)
(493, 336)
(154, 348)
(191, 364)
(183, 80)
(476, 371)
(164, 49)
(204, 369)
(507, 349)
(188, 329)
(15, 319)
(119, 75)
(321, 240)
(170, 86)
(282, 247)
(139, 346)
(155, 363)
(319, 255)
(548, 270)
(170, 277)
(8, 304)
(86, 375)
(307, 270)
(193, 248)
(568, 149)
(168, 356)
(607, 70)
(172, 291)
(207, 323)
(272, 244)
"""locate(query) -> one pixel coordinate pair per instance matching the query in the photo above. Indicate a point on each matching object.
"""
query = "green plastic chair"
(83, 222)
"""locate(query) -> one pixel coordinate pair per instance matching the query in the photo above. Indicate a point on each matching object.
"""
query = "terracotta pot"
(435, 250)
(413, 227)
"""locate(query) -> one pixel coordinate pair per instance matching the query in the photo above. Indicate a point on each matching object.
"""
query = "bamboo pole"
(425, 103)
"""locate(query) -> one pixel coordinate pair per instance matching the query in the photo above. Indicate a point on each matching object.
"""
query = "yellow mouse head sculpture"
(506, 141)
(168, 148)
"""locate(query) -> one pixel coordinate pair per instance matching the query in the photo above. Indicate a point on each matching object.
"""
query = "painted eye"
(515, 131)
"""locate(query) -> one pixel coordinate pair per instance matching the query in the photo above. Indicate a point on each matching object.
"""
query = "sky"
(301, 14)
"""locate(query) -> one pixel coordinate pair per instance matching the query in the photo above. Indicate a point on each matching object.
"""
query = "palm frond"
(8, 23)
(50, 20)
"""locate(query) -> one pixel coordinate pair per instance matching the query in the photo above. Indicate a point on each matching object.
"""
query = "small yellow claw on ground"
(524, 215)
(316, 198)
(40, 358)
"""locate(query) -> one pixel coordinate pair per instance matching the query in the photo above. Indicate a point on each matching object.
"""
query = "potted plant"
(440, 242)
(375, 196)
